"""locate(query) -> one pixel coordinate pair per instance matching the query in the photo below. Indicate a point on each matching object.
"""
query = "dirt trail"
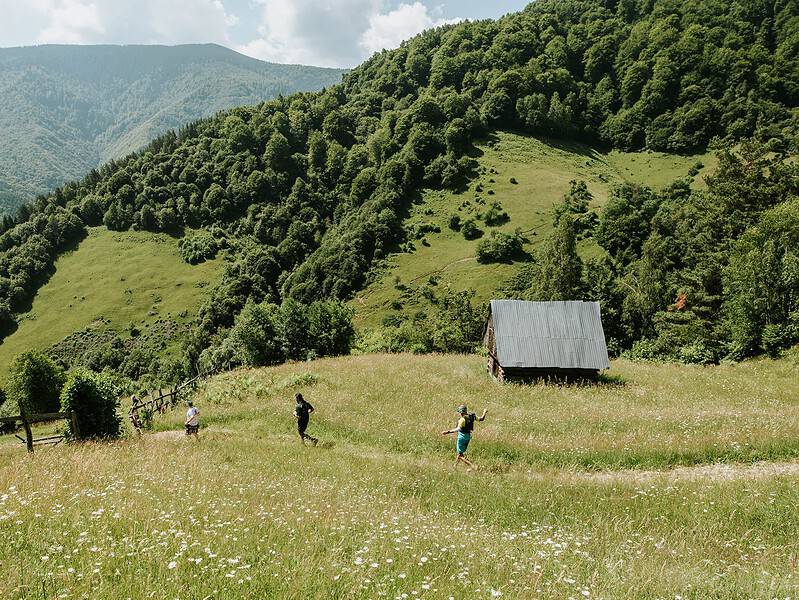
(717, 472)
(714, 472)
(180, 434)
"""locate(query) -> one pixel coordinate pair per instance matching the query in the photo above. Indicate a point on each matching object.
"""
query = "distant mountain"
(67, 109)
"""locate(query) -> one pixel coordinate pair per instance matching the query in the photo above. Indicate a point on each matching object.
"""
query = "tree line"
(688, 275)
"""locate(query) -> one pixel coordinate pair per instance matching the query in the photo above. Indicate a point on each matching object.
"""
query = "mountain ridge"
(72, 108)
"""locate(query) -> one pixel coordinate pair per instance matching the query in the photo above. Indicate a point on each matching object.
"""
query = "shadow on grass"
(568, 379)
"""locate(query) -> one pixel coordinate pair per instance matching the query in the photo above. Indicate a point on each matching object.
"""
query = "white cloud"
(114, 21)
(333, 33)
(389, 30)
(71, 23)
(320, 32)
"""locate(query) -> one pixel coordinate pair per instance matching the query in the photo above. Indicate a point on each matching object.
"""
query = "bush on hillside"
(470, 230)
(575, 204)
(495, 215)
(330, 328)
(198, 247)
(266, 334)
(255, 338)
(500, 247)
(454, 323)
(95, 399)
(34, 383)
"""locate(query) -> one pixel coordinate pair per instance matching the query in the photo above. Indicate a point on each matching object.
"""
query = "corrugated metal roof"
(557, 335)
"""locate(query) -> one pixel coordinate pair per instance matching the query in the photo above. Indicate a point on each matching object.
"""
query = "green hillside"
(111, 282)
(542, 170)
(669, 481)
(68, 109)
(318, 195)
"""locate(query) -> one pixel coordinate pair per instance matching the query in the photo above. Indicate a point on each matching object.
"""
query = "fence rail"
(160, 403)
(28, 419)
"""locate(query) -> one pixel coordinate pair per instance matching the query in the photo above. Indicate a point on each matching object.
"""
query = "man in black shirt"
(302, 412)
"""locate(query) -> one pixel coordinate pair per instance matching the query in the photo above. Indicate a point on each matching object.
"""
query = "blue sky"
(334, 33)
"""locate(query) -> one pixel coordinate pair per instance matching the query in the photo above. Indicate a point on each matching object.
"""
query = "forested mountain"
(308, 193)
(68, 109)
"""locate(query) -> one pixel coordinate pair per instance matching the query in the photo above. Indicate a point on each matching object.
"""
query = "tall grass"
(378, 511)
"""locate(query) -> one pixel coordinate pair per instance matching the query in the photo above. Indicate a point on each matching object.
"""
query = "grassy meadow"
(111, 280)
(664, 481)
(542, 170)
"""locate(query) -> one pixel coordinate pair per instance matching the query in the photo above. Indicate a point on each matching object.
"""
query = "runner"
(464, 430)
(302, 412)
(192, 419)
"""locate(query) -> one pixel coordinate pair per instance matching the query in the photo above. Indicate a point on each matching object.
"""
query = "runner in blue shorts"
(464, 430)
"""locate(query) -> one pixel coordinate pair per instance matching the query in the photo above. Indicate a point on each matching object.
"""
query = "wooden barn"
(533, 340)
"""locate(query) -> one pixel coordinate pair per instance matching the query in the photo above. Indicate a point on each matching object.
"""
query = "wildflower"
(172, 565)
(495, 593)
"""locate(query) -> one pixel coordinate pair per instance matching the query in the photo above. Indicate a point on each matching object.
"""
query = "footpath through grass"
(377, 511)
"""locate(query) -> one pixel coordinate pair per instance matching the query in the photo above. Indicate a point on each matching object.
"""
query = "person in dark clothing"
(302, 412)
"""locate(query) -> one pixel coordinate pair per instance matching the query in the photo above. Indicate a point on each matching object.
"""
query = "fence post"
(28, 432)
(73, 416)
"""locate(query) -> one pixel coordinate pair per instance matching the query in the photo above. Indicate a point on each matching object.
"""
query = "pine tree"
(559, 266)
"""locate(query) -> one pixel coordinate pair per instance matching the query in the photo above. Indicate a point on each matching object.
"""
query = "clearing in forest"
(541, 171)
(112, 281)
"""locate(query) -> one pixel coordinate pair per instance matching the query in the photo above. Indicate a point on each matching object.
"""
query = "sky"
(329, 33)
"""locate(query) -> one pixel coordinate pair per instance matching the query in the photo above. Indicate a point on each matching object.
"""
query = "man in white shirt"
(192, 419)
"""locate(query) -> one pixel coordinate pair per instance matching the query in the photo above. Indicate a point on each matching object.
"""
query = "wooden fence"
(161, 403)
(158, 404)
(28, 420)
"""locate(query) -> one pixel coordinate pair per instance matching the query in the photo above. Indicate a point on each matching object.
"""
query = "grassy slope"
(124, 278)
(376, 511)
(543, 172)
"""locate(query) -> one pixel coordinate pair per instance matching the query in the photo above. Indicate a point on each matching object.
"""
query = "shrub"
(34, 383)
(198, 247)
(254, 337)
(695, 168)
(95, 399)
(419, 230)
(500, 247)
(330, 327)
(495, 215)
(455, 222)
(470, 230)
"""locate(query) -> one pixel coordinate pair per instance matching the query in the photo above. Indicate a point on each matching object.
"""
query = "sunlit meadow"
(662, 482)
